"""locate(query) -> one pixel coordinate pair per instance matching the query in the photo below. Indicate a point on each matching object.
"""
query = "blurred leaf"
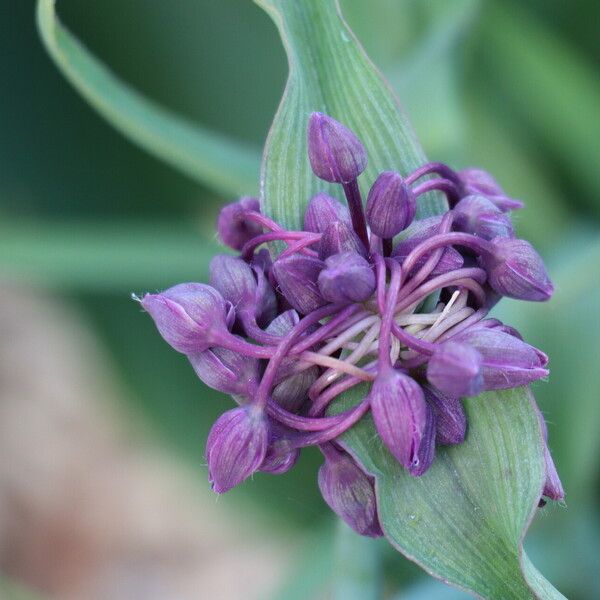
(465, 519)
(329, 72)
(226, 165)
(550, 85)
(356, 568)
(312, 570)
(12, 590)
(518, 169)
(429, 77)
(570, 400)
(92, 256)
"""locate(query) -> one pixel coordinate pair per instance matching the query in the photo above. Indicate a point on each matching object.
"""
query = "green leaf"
(329, 72)
(550, 85)
(226, 165)
(464, 521)
(117, 257)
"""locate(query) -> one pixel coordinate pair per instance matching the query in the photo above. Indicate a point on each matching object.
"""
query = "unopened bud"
(340, 237)
(297, 278)
(455, 369)
(507, 361)
(400, 414)
(450, 417)
(335, 153)
(417, 233)
(516, 270)
(349, 492)
(189, 316)
(347, 277)
(481, 217)
(236, 446)
(233, 229)
(391, 205)
(323, 210)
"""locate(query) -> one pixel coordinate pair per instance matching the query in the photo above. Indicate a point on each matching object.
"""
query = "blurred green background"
(86, 218)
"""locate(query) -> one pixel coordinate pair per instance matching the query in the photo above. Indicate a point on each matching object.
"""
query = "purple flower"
(233, 228)
(507, 361)
(516, 270)
(391, 205)
(450, 417)
(191, 317)
(417, 233)
(349, 492)
(401, 306)
(323, 210)
(401, 415)
(245, 287)
(338, 237)
(236, 446)
(227, 371)
(335, 153)
(297, 278)
(281, 454)
(456, 369)
(347, 277)
(481, 217)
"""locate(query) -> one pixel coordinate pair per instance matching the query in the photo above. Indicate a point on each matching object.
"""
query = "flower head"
(401, 304)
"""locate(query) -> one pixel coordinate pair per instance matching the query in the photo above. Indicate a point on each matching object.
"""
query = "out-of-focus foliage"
(506, 84)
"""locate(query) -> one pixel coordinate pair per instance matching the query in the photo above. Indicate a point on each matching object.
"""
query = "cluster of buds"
(357, 296)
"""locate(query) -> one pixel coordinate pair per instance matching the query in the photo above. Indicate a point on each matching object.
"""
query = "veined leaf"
(464, 521)
(226, 165)
(329, 72)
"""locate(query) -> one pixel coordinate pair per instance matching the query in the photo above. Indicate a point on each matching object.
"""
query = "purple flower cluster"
(357, 296)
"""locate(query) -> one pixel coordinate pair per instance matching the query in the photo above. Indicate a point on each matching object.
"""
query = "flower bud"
(227, 371)
(481, 217)
(290, 387)
(281, 454)
(347, 277)
(400, 414)
(426, 451)
(450, 417)
(516, 270)
(233, 229)
(323, 210)
(244, 286)
(340, 237)
(234, 280)
(553, 487)
(349, 493)
(236, 446)
(292, 392)
(391, 205)
(297, 278)
(455, 369)
(189, 316)
(266, 300)
(478, 181)
(420, 231)
(507, 361)
(335, 153)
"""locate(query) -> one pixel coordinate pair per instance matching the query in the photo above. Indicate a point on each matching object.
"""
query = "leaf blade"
(323, 56)
(226, 165)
